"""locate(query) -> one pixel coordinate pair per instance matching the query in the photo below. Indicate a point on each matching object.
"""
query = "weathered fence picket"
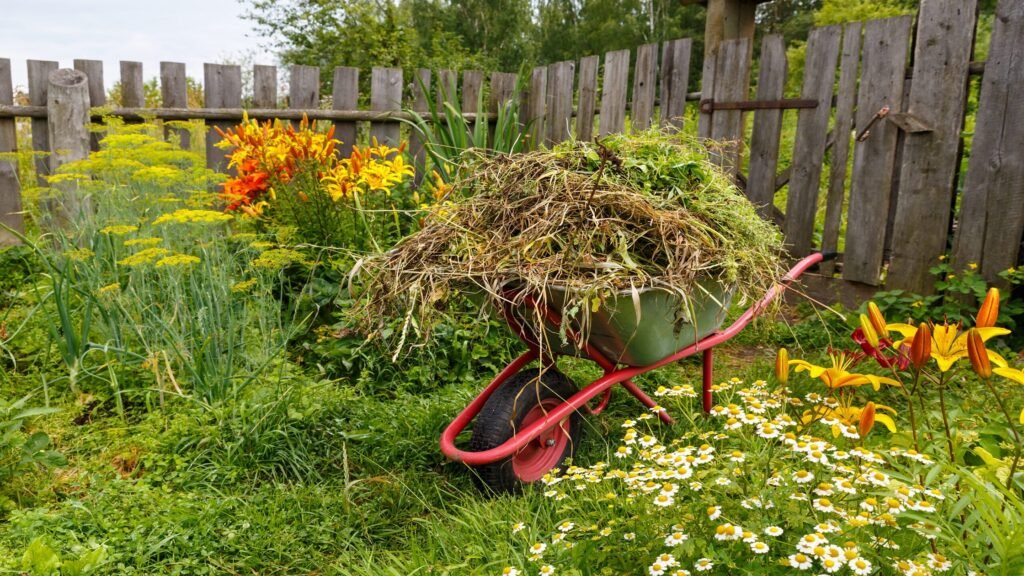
(901, 194)
(992, 206)
(883, 67)
(93, 70)
(10, 190)
(811, 135)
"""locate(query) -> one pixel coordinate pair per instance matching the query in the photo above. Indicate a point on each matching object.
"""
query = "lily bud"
(782, 366)
(921, 347)
(869, 330)
(867, 419)
(978, 354)
(989, 311)
(877, 320)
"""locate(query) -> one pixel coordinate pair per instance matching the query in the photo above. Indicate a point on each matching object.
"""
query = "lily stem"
(945, 419)
(1013, 429)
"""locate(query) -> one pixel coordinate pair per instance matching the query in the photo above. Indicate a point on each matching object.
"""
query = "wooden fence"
(894, 102)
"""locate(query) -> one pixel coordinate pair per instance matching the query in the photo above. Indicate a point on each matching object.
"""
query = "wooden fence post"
(675, 75)
(264, 86)
(67, 109)
(420, 91)
(764, 142)
(732, 83)
(304, 88)
(561, 77)
(645, 82)
(133, 92)
(10, 190)
(613, 93)
(588, 97)
(93, 69)
(345, 96)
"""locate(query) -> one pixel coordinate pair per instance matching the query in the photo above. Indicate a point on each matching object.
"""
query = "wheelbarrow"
(528, 421)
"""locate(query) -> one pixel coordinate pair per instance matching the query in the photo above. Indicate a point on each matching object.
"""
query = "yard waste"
(595, 222)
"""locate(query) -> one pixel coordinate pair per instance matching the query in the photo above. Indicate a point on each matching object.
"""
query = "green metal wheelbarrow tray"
(528, 421)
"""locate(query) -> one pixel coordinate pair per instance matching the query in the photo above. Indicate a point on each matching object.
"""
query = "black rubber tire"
(503, 414)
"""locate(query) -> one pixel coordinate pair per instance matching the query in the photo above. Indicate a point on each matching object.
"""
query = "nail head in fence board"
(945, 37)
(811, 134)
(587, 98)
(67, 106)
(420, 90)
(174, 94)
(732, 83)
(133, 94)
(613, 92)
(675, 74)
(38, 86)
(345, 97)
(883, 67)
(386, 94)
(264, 86)
(645, 80)
(304, 88)
(764, 142)
(845, 101)
(472, 84)
(536, 107)
(93, 70)
(503, 89)
(222, 89)
(10, 189)
(992, 207)
(561, 77)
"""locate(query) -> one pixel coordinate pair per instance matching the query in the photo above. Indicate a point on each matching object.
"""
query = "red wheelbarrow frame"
(603, 385)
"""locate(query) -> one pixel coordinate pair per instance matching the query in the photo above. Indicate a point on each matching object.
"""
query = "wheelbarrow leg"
(708, 376)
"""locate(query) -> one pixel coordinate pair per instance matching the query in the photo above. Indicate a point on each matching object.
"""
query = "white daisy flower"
(800, 561)
(675, 539)
(860, 566)
(803, 476)
(773, 531)
(566, 526)
(823, 505)
(656, 569)
(714, 512)
(703, 565)
(664, 500)
(538, 548)
(938, 562)
(518, 527)
(509, 571)
(546, 570)
(759, 548)
(629, 536)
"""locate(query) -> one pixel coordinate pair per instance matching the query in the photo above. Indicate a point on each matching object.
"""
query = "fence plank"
(561, 77)
(174, 94)
(883, 67)
(503, 89)
(707, 92)
(304, 88)
(675, 75)
(420, 90)
(732, 83)
(385, 94)
(945, 37)
(472, 86)
(10, 189)
(811, 134)
(613, 92)
(93, 70)
(133, 93)
(645, 81)
(222, 88)
(345, 96)
(447, 88)
(845, 100)
(38, 87)
(264, 86)
(587, 97)
(764, 142)
(536, 106)
(992, 207)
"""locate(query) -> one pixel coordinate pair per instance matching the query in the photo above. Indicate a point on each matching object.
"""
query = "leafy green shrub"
(41, 560)
(21, 451)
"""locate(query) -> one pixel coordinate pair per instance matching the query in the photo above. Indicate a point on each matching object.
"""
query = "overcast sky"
(147, 31)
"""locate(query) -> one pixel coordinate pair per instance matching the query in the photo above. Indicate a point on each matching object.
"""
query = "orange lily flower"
(867, 419)
(978, 354)
(868, 328)
(877, 320)
(949, 343)
(921, 347)
(989, 311)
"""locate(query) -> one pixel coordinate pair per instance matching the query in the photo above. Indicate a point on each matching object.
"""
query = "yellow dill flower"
(159, 175)
(243, 286)
(187, 216)
(151, 241)
(119, 230)
(261, 245)
(147, 256)
(66, 177)
(79, 254)
(177, 260)
(279, 258)
(115, 287)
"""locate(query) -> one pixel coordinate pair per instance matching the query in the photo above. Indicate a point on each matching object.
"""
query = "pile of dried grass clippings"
(647, 211)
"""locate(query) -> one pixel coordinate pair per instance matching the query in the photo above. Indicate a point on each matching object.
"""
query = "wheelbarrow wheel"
(519, 401)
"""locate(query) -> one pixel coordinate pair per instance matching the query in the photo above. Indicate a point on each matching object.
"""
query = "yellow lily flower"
(853, 416)
(782, 366)
(837, 376)
(949, 344)
(1010, 374)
